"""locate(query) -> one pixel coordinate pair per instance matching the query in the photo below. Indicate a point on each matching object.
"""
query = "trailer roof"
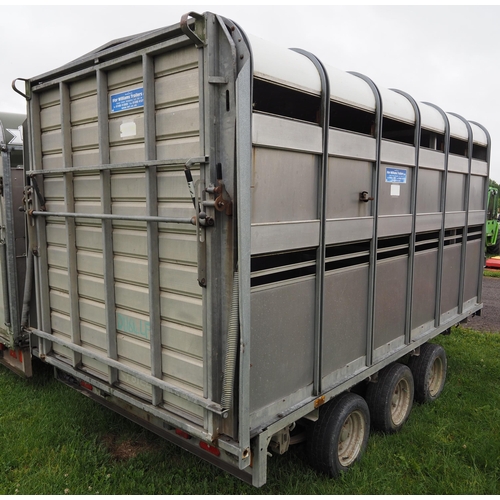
(289, 68)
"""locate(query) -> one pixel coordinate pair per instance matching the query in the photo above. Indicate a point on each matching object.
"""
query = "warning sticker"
(395, 175)
(129, 99)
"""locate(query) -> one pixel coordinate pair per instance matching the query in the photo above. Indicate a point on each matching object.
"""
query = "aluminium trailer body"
(228, 234)
(14, 350)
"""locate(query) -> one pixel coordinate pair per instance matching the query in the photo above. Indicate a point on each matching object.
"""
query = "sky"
(446, 54)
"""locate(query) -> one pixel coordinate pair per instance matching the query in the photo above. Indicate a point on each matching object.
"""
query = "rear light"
(2, 347)
(211, 449)
(16, 355)
(86, 385)
(183, 434)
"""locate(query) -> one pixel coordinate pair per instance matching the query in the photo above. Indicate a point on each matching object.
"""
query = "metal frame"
(444, 184)
(483, 239)
(244, 93)
(463, 257)
(379, 118)
(413, 211)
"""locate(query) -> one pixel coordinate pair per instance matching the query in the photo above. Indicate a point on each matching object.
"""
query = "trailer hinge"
(220, 203)
(23, 339)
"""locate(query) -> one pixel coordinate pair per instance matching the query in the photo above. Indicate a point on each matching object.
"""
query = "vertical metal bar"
(69, 201)
(372, 280)
(321, 252)
(259, 468)
(463, 255)
(42, 265)
(107, 225)
(15, 324)
(439, 274)
(152, 227)
(413, 211)
(244, 206)
(204, 150)
(216, 252)
(483, 238)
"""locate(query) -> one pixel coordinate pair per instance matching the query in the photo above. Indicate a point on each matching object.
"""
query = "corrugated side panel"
(177, 136)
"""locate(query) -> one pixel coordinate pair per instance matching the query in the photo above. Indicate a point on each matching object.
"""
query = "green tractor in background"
(492, 223)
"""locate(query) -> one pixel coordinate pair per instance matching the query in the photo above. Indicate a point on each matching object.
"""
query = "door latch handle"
(363, 196)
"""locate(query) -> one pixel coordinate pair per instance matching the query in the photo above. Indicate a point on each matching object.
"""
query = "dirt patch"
(489, 321)
(125, 449)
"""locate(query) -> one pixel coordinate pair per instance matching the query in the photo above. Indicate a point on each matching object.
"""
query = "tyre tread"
(321, 455)
(419, 365)
(379, 397)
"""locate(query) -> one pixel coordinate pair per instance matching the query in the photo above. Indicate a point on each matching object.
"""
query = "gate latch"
(363, 196)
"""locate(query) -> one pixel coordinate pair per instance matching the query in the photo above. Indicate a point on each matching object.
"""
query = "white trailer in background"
(229, 236)
(12, 244)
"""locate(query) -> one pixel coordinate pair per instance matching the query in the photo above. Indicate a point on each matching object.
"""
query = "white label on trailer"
(129, 99)
(395, 175)
(395, 189)
(128, 129)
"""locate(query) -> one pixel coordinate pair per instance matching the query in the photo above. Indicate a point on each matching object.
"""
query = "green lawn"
(53, 440)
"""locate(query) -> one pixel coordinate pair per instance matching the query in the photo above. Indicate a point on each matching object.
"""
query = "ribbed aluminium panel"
(179, 298)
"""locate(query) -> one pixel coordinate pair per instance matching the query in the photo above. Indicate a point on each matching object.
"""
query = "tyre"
(495, 249)
(390, 399)
(340, 436)
(429, 372)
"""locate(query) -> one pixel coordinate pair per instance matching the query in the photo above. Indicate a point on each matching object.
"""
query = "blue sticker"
(395, 175)
(129, 99)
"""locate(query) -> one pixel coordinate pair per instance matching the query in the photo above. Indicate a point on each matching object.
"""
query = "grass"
(53, 440)
(492, 273)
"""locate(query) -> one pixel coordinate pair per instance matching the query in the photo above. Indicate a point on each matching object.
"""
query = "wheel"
(340, 436)
(494, 249)
(390, 399)
(429, 372)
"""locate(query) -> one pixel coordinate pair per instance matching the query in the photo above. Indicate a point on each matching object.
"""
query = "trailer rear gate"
(85, 258)
(338, 227)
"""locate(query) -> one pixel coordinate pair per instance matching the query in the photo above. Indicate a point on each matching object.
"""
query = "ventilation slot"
(479, 152)
(341, 256)
(459, 147)
(278, 100)
(453, 236)
(398, 131)
(474, 233)
(351, 119)
(274, 268)
(426, 241)
(392, 247)
(282, 101)
(431, 140)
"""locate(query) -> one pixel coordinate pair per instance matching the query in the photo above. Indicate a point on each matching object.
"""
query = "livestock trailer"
(12, 242)
(235, 245)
